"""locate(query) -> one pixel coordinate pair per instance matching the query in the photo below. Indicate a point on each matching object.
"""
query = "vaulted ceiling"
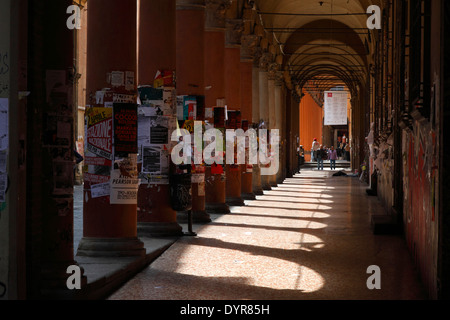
(324, 43)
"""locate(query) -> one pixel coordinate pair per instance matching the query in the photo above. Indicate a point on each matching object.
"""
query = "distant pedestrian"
(321, 154)
(347, 152)
(314, 148)
(301, 157)
(332, 155)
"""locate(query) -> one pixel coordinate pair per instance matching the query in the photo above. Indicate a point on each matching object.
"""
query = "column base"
(110, 247)
(258, 192)
(235, 201)
(217, 208)
(198, 216)
(249, 196)
(159, 229)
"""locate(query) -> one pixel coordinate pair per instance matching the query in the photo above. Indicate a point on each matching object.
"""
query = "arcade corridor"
(308, 238)
(122, 121)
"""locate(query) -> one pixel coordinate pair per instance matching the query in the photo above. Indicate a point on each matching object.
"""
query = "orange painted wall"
(311, 115)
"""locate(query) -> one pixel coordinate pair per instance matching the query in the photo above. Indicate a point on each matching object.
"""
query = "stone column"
(214, 74)
(190, 39)
(256, 177)
(234, 28)
(249, 44)
(48, 139)
(110, 229)
(157, 25)
(264, 103)
(279, 106)
(271, 73)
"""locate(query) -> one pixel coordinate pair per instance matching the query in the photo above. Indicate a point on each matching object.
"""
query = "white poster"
(124, 181)
(100, 190)
(335, 108)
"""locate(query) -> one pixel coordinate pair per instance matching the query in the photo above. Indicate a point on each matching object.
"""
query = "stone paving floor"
(308, 238)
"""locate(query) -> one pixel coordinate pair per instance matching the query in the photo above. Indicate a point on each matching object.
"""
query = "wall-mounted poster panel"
(335, 108)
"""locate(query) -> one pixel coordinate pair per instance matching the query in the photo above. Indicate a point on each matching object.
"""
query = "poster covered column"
(190, 39)
(215, 179)
(247, 111)
(264, 61)
(233, 97)
(110, 172)
(156, 79)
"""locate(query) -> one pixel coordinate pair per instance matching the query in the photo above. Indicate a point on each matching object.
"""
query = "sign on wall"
(335, 108)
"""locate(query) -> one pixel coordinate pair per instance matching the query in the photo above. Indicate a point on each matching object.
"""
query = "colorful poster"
(190, 108)
(92, 179)
(125, 128)
(99, 132)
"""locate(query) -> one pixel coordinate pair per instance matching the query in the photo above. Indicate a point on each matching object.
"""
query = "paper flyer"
(124, 181)
(100, 190)
(99, 132)
(125, 128)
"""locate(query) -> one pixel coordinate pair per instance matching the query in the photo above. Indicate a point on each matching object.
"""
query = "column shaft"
(215, 197)
(233, 98)
(156, 52)
(50, 160)
(109, 229)
(247, 116)
(190, 39)
(264, 113)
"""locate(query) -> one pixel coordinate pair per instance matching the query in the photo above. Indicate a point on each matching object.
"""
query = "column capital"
(234, 29)
(215, 14)
(296, 96)
(265, 60)
(279, 78)
(190, 4)
(249, 45)
(257, 56)
(273, 69)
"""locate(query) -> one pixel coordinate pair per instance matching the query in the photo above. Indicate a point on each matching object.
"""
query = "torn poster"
(155, 164)
(3, 160)
(190, 108)
(129, 80)
(124, 181)
(180, 108)
(4, 127)
(54, 81)
(64, 206)
(159, 130)
(3, 185)
(63, 177)
(117, 78)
